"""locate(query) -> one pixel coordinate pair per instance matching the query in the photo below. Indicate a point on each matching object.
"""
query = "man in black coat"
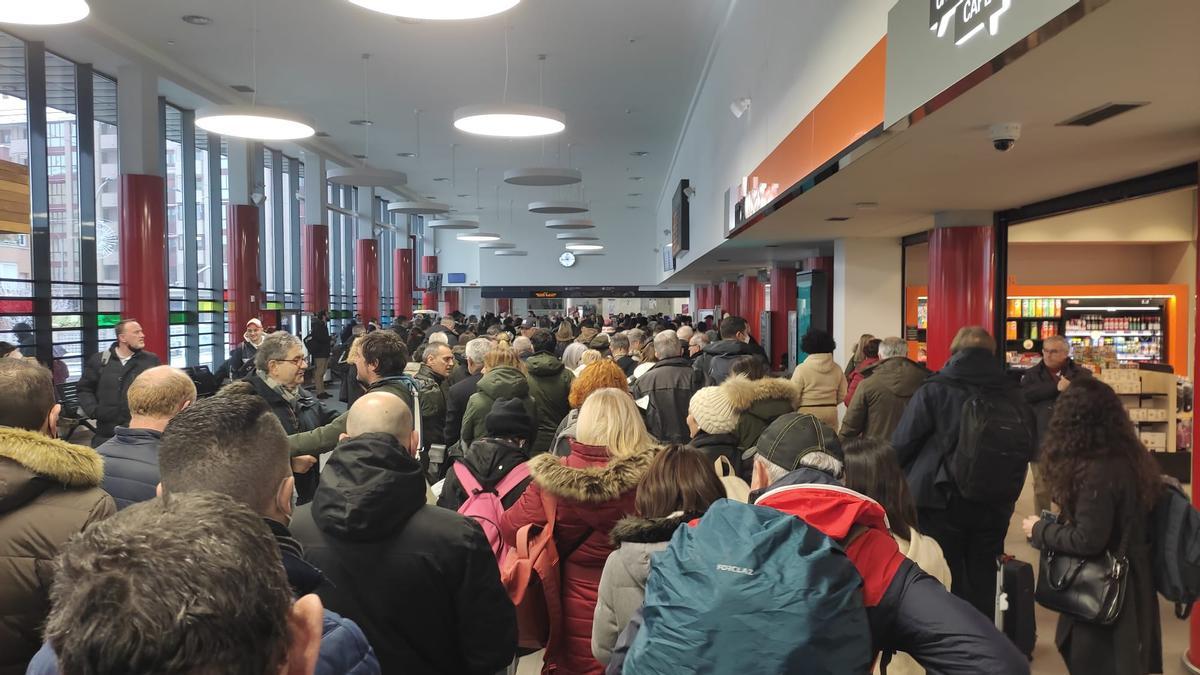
(1041, 386)
(441, 612)
(460, 393)
(717, 359)
(107, 376)
(241, 360)
(437, 362)
(669, 384)
(320, 346)
(971, 533)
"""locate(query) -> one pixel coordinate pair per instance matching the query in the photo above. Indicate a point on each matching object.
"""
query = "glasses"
(297, 361)
(1054, 351)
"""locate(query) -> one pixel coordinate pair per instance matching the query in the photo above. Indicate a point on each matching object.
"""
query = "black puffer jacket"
(304, 414)
(457, 398)
(715, 361)
(670, 384)
(319, 343)
(103, 388)
(420, 580)
(1040, 388)
(239, 364)
(719, 445)
(489, 460)
(431, 392)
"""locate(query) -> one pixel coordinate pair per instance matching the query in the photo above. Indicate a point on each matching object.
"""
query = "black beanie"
(508, 419)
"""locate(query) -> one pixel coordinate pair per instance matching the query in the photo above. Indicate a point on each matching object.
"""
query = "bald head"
(160, 393)
(381, 413)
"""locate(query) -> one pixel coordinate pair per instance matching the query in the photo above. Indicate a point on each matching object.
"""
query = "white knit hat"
(713, 410)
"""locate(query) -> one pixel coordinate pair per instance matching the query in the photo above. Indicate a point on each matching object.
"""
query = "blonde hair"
(160, 392)
(969, 337)
(610, 419)
(589, 357)
(503, 356)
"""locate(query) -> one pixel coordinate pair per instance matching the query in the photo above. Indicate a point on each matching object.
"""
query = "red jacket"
(593, 493)
(856, 377)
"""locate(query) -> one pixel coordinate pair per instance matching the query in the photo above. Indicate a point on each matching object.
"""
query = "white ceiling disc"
(557, 207)
(258, 122)
(479, 236)
(365, 176)
(579, 253)
(569, 224)
(497, 245)
(44, 12)
(509, 120)
(418, 208)
(571, 236)
(511, 252)
(585, 247)
(438, 10)
(543, 177)
(452, 224)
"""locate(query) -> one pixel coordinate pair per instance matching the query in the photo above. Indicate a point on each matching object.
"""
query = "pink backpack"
(485, 506)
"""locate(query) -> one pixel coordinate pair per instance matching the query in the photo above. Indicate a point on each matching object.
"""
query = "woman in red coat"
(595, 487)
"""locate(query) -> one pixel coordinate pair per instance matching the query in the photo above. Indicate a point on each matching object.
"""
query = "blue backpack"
(751, 589)
(1177, 549)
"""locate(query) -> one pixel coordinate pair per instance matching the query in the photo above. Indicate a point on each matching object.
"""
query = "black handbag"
(1090, 589)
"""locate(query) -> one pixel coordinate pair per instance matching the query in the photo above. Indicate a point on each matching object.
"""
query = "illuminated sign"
(752, 197)
(970, 17)
(545, 294)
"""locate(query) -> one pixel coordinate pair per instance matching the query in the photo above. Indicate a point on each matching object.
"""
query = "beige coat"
(822, 386)
(927, 554)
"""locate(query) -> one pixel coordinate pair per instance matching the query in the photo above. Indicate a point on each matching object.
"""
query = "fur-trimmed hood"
(69, 465)
(590, 484)
(638, 530)
(743, 392)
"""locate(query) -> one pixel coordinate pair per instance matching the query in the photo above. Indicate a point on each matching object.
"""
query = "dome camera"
(1005, 136)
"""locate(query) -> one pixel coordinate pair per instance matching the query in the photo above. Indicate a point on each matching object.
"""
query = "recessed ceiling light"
(440, 179)
(632, 206)
(322, 134)
(639, 153)
(584, 247)
(361, 123)
(197, 20)
(772, 245)
(634, 194)
(722, 259)
(406, 154)
(244, 88)
(866, 206)
(569, 224)
(479, 236)
(637, 178)
(464, 196)
(557, 207)
(543, 176)
(360, 156)
(257, 122)
(43, 12)
(509, 120)
(838, 219)
(438, 10)
(430, 196)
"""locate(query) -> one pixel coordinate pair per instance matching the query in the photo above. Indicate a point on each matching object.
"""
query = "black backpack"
(996, 442)
(1176, 549)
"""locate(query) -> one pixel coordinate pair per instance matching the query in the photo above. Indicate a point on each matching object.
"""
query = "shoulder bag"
(1090, 589)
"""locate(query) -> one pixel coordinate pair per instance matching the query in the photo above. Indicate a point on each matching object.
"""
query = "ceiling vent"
(322, 134)
(244, 88)
(1098, 115)
(838, 219)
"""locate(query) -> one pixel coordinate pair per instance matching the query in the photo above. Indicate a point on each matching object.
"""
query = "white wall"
(457, 256)
(866, 291)
(786, 55)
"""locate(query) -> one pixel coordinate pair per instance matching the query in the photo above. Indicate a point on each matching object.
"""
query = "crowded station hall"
(655, 337)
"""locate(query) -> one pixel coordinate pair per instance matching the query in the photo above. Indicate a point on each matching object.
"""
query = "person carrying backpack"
(965, 441)
(716, 361)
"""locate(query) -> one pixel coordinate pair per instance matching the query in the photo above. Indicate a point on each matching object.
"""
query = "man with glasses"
(1041, 387)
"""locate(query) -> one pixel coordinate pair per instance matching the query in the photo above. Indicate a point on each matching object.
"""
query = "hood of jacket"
(976, 367)
(729, 348)
(590, 484)
(544, 365)
(821, 363)
(42, 462)
(490, 459)
(898, 375)
(638, 530)
(704, 440)
(747, 395)
(504, 382)
(369, 488)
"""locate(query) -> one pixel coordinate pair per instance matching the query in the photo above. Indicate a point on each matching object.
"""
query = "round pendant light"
(418, 208)
(584, 247)
(365, 176)
(479, 236)
(257, 122)
(569, 224)
(509, 120)
(439, 10)
(582, 253)
(497, 245)
(452, 224)
(511, 252)
(543, 177)
(571, 236)
(557, 207)
(43, 12)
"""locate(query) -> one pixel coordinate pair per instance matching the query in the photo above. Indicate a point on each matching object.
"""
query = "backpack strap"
(517, 474)
(104, 357)
(466, 479)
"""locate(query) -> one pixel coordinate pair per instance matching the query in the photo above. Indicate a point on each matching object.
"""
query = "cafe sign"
(970, 17)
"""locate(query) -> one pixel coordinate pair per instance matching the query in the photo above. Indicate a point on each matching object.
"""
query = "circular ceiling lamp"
(557, 207)
(420, 207)
(511, 252)
(543, 177)
(439, 10)
(43, 12)
(509, 120)
(479, 236)
(584, 247)
(258, 122)
(569, 224)
(571, 236)
(495, 245)
(580, 253)
(452, 224)
(365, 176)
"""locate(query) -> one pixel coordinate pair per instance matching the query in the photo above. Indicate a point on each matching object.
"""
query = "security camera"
(257, 198)
(689, 191)
(1005, 136)
(739, 107)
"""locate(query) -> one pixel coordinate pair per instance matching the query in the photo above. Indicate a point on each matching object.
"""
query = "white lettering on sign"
(970, 17)
(757, 195)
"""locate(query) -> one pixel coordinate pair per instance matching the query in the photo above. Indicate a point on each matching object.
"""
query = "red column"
(429, 265)
(714, 299)
(366, 278)
(242, 287)
(703, 300)
(315, 273)
(451, 298)
(783, 300)
(403, 281)
(1192, 657)
(962, 267)
(504, 305)
(750, 300)
(729, 298)
(143, 246)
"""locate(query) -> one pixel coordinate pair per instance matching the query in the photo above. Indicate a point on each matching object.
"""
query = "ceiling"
(1119, 53)
(623, 72)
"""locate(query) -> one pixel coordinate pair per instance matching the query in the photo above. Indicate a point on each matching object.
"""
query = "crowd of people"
(626, 494)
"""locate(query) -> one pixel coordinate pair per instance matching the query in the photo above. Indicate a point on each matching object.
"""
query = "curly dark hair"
(817, 341)
(1091, 423)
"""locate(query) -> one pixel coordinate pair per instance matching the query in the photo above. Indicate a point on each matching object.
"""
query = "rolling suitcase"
(1014, 603)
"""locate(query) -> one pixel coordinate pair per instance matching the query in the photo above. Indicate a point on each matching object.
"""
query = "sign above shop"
(681, 221)
(970, 17)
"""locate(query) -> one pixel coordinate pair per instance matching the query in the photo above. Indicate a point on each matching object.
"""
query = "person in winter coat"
(971, 533)
(669, 384)
(1041, 385)
(678, 487)
(870, 358)
(107, 376)
(436, 364)
(460, 393)
(49, 490)
(1106, 482)
(320, 347)
(713, 419)
(715, 361)
(759, 398)
(820, 380)
(880, 399)
(504, 376)
(563, 337)
(619, 344)
(550, 387)
(603, 375)
(859, 354)
(872, 469)
(131, 457)
(421, 580)
(241, 360)
(595, 487)
(572, 356)
(491, 458)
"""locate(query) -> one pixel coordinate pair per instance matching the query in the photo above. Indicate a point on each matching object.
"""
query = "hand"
(303, 463)
(1063, 383)
(1027, 525)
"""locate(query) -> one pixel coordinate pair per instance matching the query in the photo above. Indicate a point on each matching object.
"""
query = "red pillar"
(143, 246)
(366, 278)
(403, 281)
(783, 300)
(315, 273)
(962, 268)
(504, 305)
(429, 265)
(702, 301)
(451, 298)
(729, 299)
(750, 300)
(242, 287)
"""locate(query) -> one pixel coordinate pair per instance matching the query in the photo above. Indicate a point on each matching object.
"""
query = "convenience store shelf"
(1101, 333)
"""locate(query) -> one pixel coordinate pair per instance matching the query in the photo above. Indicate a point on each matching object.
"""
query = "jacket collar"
(638, 530)
(743, 392)
(594, 484)
(131, 435)
(673, 362)
(302, 576)
(69, 465)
